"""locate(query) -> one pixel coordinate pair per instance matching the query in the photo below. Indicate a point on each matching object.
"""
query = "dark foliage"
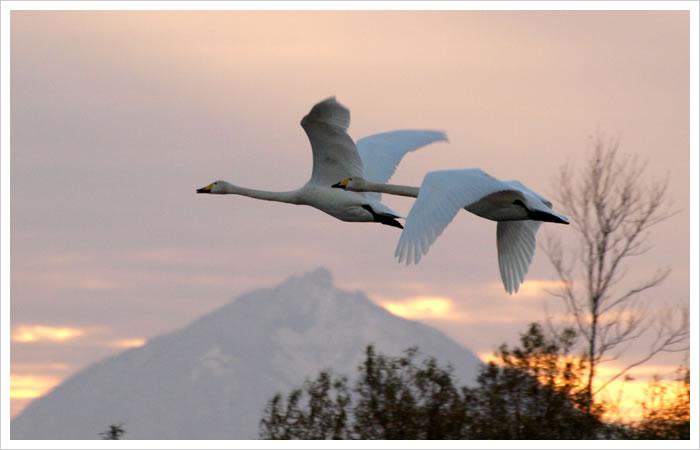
(534, 392)
(114, 432)
(398, 399)
(531, 392)
(324, 415)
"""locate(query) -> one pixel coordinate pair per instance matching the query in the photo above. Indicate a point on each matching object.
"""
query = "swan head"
(217, 187)
(350, 184)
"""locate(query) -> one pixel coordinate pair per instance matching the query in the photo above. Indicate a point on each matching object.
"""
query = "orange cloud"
(35, 333)
(444, 308)
(94, 284)
(31, 386)
(528, 289)
(423, 308)
(129, 343)
(25, 388)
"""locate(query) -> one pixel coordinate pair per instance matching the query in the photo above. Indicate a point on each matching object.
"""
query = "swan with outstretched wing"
(336, 156)
(518, 210)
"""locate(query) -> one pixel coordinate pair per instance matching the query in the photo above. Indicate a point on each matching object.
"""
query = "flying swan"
(335, 156)
(518, 211)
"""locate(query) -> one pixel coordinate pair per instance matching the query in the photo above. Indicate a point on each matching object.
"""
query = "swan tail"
(383, 218)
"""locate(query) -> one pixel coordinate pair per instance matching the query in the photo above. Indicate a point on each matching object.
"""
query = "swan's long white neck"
(284, 197)
(362, 185)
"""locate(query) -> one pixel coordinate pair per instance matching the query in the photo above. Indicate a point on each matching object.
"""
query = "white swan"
(335, 156)
(518, 211)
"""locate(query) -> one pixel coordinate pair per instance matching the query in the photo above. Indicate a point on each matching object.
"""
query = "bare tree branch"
(611, 211)
(670, 339)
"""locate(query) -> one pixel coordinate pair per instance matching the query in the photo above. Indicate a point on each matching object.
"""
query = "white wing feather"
(442, 194)
(381, 153)
(335, 156)
(516, 246)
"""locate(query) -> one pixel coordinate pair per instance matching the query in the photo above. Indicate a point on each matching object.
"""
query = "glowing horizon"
(623, 395)
(37, 333)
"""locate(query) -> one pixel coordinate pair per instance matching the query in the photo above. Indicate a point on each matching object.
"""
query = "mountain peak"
(212, 378)
(320, 276)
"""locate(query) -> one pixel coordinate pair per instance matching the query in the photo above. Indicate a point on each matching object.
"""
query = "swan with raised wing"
(336, 156)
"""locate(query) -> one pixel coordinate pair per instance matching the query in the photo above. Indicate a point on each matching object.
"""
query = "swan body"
(344, 205)
(336, 156)
(518, 210)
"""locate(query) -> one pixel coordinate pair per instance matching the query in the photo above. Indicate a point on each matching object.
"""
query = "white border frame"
(5, 11)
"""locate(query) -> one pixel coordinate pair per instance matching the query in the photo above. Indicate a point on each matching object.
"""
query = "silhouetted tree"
(394, 398)
(531, 392)
(399, 399)
(535, 391)
(611, 211)
(114, 432)
(324, 415)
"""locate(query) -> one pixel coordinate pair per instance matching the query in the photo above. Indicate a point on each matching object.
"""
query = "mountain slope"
(211, 379)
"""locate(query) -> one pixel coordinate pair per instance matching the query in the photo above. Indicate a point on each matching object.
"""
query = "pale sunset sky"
(118, 116)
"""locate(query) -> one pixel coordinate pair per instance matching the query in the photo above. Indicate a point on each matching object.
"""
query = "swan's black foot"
(383, 219)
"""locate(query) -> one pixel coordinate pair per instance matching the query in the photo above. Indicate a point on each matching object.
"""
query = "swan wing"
(516, 246)
(335, 156)
(381, 153)
(442, 194)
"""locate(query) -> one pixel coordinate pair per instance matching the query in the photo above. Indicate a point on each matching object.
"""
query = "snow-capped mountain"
(212, 379)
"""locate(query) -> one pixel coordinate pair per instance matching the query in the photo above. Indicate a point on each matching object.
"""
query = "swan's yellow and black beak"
(205, 190)
(342, 184)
